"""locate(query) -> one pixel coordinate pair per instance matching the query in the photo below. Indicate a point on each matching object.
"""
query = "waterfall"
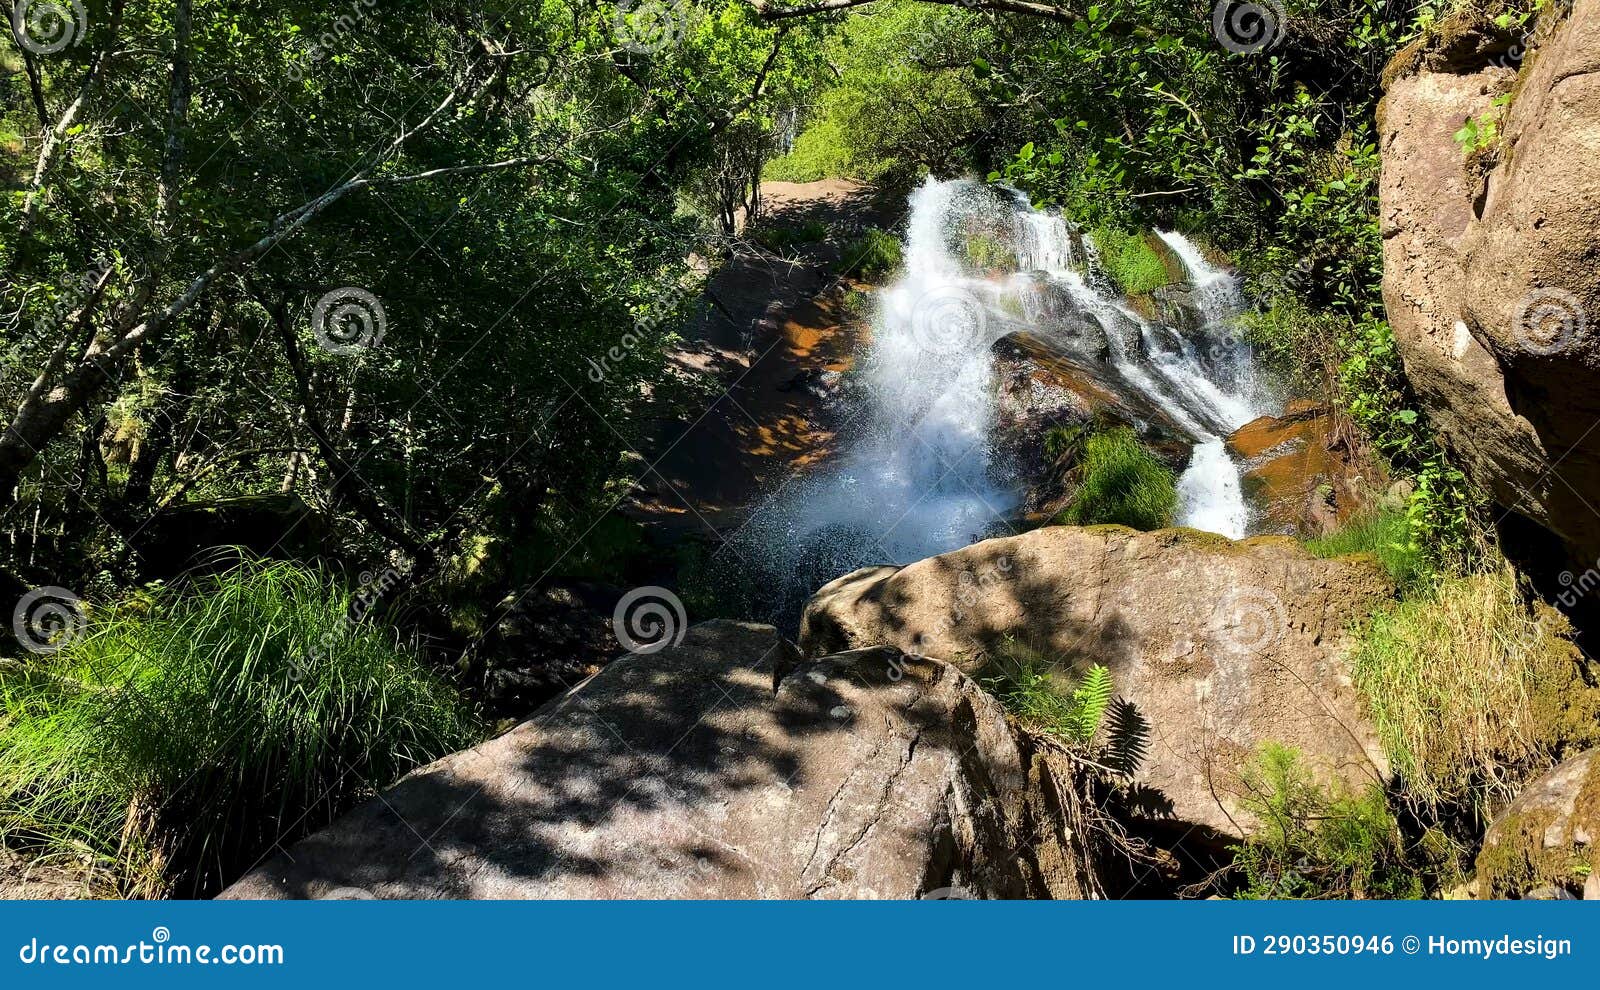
(914, 475)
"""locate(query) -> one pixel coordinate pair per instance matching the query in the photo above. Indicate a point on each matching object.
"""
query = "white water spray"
(915, 477)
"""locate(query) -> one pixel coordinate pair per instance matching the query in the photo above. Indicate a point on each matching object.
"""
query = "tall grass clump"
(1130, 261)
(1121, 481)
(188, 731)
(1386, 535)
(1471, 689)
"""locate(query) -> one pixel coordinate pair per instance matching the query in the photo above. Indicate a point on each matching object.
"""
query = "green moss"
(1519, 860)
(1132, 261)
(989, 254)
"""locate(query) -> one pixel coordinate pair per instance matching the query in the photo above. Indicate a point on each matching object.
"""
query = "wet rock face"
(1543, 846)
(1296, 475)
(1221, 646)
(723, 767)
(1492, 269)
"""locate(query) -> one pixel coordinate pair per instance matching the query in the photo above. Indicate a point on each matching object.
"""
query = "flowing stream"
(917, 473)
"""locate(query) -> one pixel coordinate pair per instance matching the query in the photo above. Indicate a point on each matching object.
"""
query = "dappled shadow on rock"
(721, 767)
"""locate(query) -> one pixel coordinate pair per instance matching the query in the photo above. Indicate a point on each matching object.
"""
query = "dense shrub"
(873, 256)
(187, 732)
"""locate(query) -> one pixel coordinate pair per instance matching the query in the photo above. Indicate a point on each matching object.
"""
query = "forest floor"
(771, 344)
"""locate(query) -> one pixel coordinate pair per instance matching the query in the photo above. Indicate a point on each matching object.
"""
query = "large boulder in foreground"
(684, 774)
(1222, 646)
(1544, 844)
(1491, 265)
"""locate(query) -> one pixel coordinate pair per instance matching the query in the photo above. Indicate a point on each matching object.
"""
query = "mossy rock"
(1546, 838)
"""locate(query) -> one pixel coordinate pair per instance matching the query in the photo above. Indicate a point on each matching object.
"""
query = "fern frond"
(1090, 700)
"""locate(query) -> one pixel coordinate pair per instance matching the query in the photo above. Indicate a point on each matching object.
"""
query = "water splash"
(917, 473)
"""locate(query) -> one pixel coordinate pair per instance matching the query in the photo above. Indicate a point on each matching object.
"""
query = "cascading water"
(916, 475)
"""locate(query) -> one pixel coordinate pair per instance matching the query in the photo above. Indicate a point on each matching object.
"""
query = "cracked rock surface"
(685, 774)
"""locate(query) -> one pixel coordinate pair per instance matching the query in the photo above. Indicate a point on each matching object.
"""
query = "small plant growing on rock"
(1316, 843)
(1025, 683)
(1120, 481)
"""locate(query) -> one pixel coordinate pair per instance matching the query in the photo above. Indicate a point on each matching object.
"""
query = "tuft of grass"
(1315, 842)
(1470, 689)
(186, 732)
(1025, 683)
(1133, 265)
(1387, 536)
(1121, 481)
(872, 256)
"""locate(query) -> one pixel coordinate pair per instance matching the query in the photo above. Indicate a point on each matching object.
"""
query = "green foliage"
(907, 97)
(786, 238)
(873, 256)
(1024, 681)
(1317, 843)
(1132, 264)
(1386, 535)
(1120, 481)
(186, 732)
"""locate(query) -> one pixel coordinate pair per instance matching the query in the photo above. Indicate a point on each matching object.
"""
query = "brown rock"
(1222, 646)
(1492, 270)
(683, 774)
(1546, 837)
(1297, 477)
